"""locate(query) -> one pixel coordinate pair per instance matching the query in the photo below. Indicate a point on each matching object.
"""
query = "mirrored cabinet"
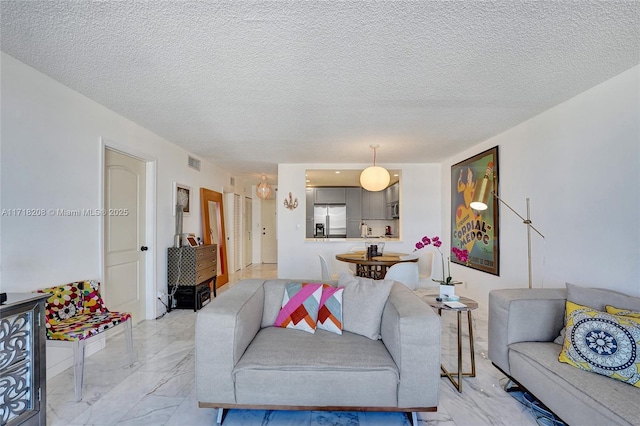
(23, 360)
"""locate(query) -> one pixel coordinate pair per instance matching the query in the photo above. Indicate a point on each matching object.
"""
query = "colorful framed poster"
(476, 231)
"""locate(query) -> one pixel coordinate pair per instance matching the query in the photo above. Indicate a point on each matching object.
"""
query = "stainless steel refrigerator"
(330, 220)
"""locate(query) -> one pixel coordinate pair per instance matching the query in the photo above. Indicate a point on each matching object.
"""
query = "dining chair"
(352, 266)
(324, 268)
(404, 272)
(425, 269)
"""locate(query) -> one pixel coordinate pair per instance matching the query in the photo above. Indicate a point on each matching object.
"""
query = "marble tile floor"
(159, 389)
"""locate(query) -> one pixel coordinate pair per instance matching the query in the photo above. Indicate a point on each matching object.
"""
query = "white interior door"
(124, 234)
(247, 217)
(237, 232)
(269, 244)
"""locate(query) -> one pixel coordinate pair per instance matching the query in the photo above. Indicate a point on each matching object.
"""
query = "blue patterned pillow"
(602, 343)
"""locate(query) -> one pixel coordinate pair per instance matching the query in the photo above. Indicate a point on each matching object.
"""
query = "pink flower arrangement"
(461, 254)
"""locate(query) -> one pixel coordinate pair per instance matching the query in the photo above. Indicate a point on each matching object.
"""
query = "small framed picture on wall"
(181, 196)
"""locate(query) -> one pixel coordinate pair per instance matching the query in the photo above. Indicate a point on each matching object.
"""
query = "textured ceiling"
(248, 85)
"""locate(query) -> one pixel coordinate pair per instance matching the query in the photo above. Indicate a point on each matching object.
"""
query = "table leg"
(458, 384)
(473, 352)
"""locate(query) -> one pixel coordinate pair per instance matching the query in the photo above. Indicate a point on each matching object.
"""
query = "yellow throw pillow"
(602, 343)
(624, 312)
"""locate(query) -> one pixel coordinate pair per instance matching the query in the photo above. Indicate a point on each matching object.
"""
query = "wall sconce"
(263, 189)
(291, 203)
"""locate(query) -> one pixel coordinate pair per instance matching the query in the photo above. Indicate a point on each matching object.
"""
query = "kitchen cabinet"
(354, 212)
(373, 205)
(310, 200)
(393, 193)
(330, 196)
(354, 203)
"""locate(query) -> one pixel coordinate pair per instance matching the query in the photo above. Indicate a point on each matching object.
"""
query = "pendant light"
(263, 189)
(374, 178)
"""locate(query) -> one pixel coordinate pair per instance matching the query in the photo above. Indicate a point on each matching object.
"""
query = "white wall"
(51, 158)
(420, 200)
(579, 162)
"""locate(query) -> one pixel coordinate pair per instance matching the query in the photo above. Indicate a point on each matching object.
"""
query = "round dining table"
(374, 267)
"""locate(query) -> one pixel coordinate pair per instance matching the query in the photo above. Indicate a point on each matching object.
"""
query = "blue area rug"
(313, 418)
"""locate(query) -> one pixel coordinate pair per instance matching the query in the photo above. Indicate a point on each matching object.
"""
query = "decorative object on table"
(374, 249)
(472, 229)
(480, 203)
(447, 285)
(263, 189)
(181, 200)
(374, 178)
(291, 203)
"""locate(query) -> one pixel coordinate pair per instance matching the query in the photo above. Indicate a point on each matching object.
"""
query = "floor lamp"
(479, 202)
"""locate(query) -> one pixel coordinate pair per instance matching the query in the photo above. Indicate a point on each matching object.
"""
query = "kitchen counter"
(359, 240)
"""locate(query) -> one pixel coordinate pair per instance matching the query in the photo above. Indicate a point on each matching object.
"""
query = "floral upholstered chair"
(74, 313)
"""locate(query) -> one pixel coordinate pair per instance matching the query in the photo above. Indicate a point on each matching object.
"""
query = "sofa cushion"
(598, 298)
(312, 369)
(300, 305)
(602, 343)
(362, 304)
(588, 399)
(273, 291)
(624, 312)
(330, 312)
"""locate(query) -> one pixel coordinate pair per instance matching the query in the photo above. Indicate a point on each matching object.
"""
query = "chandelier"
(263, 189)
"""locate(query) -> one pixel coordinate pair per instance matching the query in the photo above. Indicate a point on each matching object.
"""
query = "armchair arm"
(410, 330)
(224, 329)
(523, 315)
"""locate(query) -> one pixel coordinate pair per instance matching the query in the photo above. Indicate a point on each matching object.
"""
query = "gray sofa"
(523, 324)
(242, 361)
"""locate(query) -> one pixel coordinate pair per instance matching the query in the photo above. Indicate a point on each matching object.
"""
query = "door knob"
(144, 248)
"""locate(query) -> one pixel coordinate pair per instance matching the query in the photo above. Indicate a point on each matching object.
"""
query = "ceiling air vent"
(194, 163)
(232, 181)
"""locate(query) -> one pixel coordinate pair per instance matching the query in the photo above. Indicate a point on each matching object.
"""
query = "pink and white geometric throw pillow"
(330, 312)
(300, 305)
